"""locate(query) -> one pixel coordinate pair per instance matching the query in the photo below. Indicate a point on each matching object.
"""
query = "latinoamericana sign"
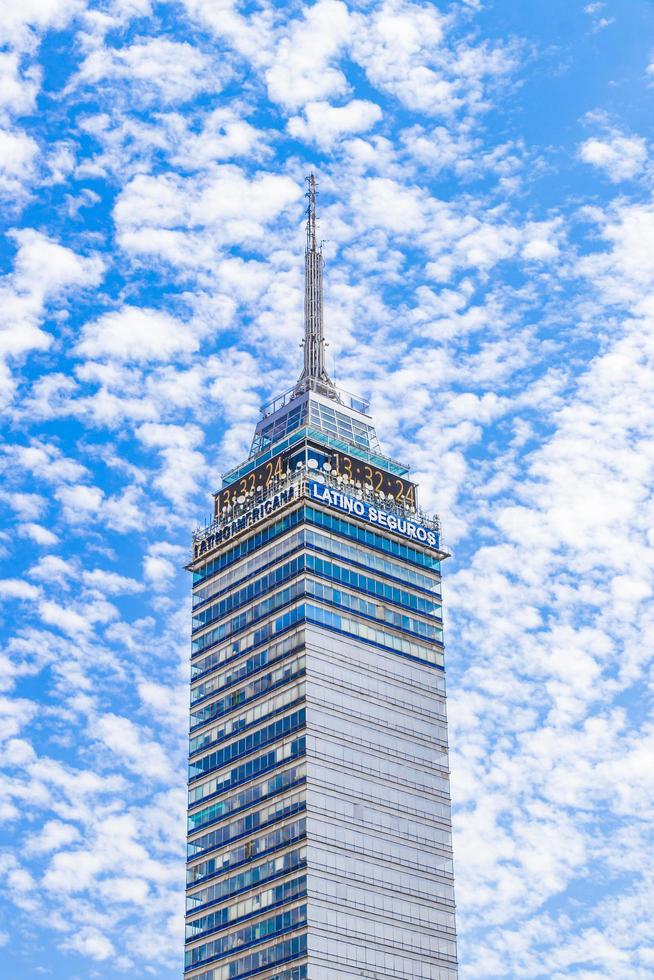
(230, 528)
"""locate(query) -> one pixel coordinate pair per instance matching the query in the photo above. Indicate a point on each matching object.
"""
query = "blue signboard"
(373, 514)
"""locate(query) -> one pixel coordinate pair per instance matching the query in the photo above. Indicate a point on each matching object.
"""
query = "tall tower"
(319, 827)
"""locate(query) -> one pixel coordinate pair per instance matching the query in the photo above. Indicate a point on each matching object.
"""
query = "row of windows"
(346, 726)
(420, 692)
(327, 569)
(248, 935)
(319, 519)
(263, 709)
(343, 923)
(240, 597)
(259, 874)
(288, 891)
(319, 591)
(373, 610)
(247, 642)
(335, 546)
(371, 538)
(287, 671)
(351, 627)
(343, 426)
(386, 714)
(331, 544)
(380, 877)
(370, 634)
(259, 765)
(245, 966)
(248, 545)
(380, 847)
(280, 427)
(398, 910)
(235, 673)
(236, 856)
(243, 746)
(377, 800)
(240, 801)
(245, 619)
(362, 760)
(365, 583)
(243, 571)
(330, 958)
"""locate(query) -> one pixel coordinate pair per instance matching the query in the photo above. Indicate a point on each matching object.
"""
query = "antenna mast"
(314, 376)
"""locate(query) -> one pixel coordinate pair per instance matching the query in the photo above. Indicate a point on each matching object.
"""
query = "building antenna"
(314, 376)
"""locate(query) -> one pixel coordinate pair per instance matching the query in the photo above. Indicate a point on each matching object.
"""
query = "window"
(282, 922)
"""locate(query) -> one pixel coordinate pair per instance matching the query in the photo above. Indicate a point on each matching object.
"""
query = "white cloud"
(250, 36)
(39, 534)
(17, 155)
(404, 48)
(52, 568)
(66, 619)
(44, 461)
(625, 272)
(223, 136)
(620, 157)
(19, 21)
(45, 268)
(44, 272)
(28, 506)
(125, 740)
(155, 69)
(53, 835)
(439, 148)
(158, 571)
(154, 434)
(183, 466)
(13, 588)
(92, 943)
(110, 583)
(136, 334)
(185, 220)
(164, 702)
(324, 124)
(541, 240)
(80, 502)
(302, 70)
(17, 91)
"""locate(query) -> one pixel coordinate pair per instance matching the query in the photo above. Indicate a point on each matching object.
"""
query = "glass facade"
(319, 834)
(325, 417)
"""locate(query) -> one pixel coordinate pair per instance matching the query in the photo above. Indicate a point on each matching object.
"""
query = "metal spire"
(314, 374)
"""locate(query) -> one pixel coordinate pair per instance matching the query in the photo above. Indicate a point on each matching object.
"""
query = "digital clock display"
(342, 464)
(263, 476)
(368, 475)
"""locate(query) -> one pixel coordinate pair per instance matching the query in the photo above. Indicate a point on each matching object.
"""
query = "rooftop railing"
(346, 398)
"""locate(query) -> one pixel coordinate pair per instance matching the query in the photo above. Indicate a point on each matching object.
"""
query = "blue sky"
(486, 173)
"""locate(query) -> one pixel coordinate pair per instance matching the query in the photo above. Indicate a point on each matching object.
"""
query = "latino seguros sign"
(373, 514)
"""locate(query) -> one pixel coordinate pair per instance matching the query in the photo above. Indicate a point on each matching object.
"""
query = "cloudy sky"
(486, 172)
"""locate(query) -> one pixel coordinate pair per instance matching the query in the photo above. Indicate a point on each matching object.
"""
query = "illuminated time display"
(367, 475)
(263, 476)
(342, 464)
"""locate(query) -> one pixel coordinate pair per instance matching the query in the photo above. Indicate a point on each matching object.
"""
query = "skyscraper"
(319, 825)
